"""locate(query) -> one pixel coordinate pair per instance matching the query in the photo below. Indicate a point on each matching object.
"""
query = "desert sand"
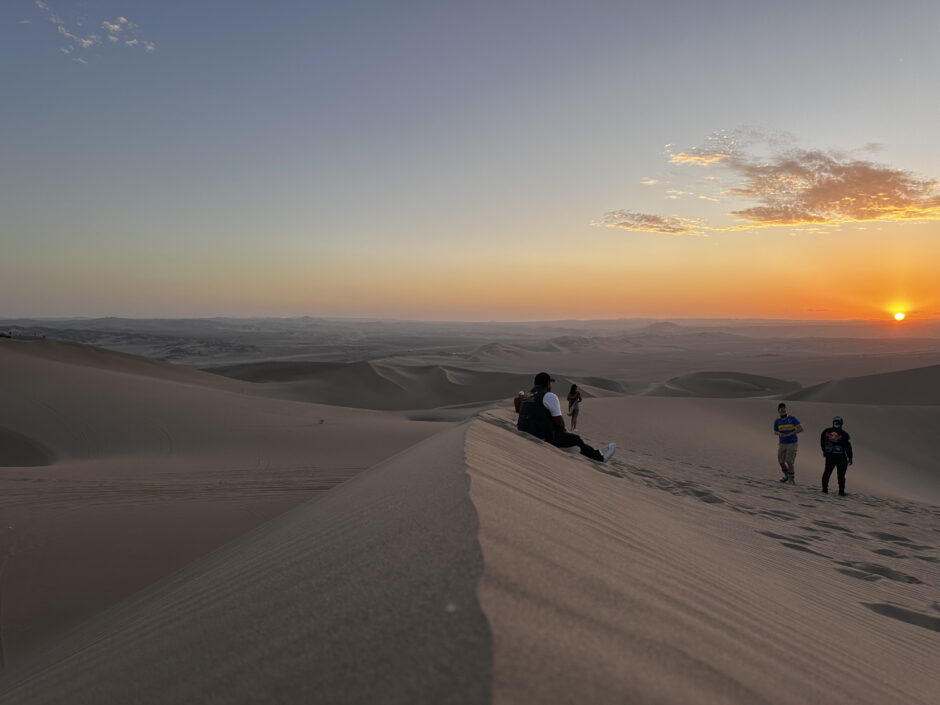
(378, 531)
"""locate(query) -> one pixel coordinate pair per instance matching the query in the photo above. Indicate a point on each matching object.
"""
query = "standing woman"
(574, 405)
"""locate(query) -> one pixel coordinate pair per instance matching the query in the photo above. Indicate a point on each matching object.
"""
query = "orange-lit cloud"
(796, 187)
(644, 222)
(806, 187)
(702, 157)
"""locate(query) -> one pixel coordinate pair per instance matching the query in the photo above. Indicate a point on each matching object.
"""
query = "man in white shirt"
(540, 415)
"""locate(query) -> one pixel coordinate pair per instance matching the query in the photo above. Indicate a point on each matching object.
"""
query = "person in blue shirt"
(786, 427)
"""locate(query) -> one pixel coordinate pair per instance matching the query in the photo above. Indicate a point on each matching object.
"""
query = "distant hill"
(725, 385)
(919, 386)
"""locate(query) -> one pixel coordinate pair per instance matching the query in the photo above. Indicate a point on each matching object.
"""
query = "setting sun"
(899, 316)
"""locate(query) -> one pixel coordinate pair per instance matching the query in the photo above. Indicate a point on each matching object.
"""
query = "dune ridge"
(919, 386)
(367, 594)
(481, 565)
(725, 385)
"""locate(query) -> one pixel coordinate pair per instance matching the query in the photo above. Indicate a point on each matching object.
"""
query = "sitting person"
(540, 415)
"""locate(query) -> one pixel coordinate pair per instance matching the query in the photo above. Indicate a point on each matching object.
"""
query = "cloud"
(701, 157)
(649, 182)
(644, 222)
(119, 32)
(803, 187)
(798, 187)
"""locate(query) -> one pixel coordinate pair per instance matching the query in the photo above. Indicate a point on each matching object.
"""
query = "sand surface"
(682, 583)
(122, 470)
(170, 535)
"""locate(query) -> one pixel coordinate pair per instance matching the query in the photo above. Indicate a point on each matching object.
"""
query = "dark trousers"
(841, 464)
(569, 440)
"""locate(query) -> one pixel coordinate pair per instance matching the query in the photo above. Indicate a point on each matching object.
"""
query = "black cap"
(542, 379)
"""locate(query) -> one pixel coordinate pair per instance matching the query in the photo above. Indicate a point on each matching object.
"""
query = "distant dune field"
(378, 531)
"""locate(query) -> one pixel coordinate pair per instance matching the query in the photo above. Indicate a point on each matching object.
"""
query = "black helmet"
(837, 421)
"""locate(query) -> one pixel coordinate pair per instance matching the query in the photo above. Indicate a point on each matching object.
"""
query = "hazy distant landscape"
(627, 355)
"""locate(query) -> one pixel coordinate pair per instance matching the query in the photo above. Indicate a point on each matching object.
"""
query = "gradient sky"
(470, 160)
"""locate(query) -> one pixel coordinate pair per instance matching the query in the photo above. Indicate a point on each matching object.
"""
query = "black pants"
(569, 440)
(841, 464)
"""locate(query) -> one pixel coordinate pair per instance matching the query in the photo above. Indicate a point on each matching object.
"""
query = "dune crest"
(366, 595)
(728, 385)
(919, 386)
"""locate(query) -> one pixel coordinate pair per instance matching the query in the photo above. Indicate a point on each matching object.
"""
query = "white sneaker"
(608, 451)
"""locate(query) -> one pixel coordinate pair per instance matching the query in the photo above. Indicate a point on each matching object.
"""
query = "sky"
(481, 160)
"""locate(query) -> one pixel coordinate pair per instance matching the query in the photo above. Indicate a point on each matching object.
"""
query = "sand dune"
(485, 566)
(377, 385)
(911, 387)
(680, 583)
(366, 596)
(115, 471)
(893, 451)
(722, 385)
(162, 517)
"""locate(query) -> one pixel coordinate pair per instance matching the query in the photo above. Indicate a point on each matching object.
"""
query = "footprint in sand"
(801, 547)
(876, 571)
(777, 514)
(918, 619)
(889, 537)
(888, 552)
(830, 525)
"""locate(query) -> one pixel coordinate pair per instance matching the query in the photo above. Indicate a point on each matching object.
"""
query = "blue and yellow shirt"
(785, 425)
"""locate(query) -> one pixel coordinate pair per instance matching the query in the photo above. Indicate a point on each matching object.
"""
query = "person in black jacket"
(540, 415)
(837, 450)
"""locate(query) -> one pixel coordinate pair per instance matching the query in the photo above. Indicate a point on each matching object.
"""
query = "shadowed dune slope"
(365, 595)
(722, 385)
(115, 473)
(144, 409)
(17, 450)
(58, 352)
(907, 387)
(376, 385)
